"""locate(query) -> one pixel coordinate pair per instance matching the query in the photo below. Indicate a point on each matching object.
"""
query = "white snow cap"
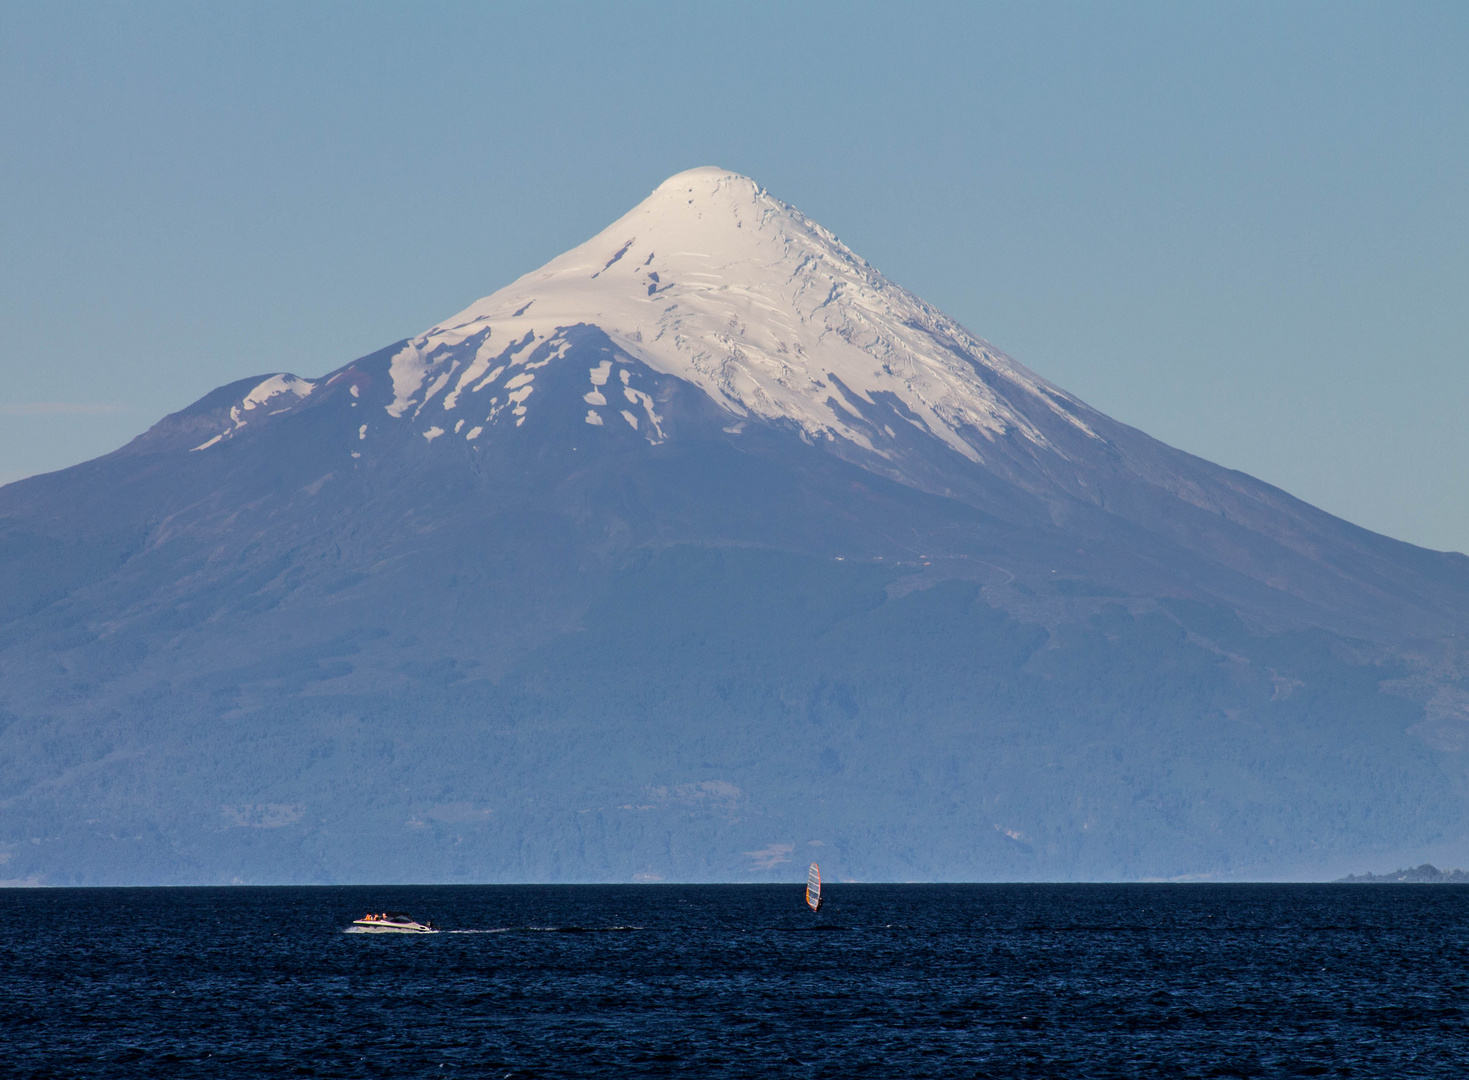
(714, 281)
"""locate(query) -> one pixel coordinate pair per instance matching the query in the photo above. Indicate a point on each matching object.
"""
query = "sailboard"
(813, 888)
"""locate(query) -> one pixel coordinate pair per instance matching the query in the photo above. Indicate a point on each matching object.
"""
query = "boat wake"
(550, 930)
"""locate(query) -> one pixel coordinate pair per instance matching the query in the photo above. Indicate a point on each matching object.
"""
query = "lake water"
(739, 980)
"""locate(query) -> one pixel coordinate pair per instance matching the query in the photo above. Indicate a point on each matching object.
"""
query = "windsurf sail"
(813, 887)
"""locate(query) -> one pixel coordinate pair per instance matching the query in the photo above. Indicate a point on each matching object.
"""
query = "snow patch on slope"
(280, 391)
(274, 387)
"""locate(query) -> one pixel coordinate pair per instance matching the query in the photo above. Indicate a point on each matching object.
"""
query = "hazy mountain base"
(727, 714)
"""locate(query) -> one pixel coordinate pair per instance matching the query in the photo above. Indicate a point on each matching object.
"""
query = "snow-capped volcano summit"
(714, 281)
(711, 287)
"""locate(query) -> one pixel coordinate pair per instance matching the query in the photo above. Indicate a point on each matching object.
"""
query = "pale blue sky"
(1242, 228)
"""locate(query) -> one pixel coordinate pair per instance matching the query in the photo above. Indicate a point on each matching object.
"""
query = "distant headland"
(1427, 874)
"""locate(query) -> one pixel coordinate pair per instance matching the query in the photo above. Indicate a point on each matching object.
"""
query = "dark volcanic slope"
(392, 625)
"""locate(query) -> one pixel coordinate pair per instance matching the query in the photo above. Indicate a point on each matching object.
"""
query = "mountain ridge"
(539, 569)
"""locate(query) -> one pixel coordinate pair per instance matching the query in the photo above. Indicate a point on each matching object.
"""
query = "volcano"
(697, 553)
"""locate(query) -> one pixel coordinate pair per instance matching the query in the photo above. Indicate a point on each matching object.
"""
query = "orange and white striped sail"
(813, 887)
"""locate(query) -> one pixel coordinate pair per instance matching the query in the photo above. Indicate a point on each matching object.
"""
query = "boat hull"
(360, 927)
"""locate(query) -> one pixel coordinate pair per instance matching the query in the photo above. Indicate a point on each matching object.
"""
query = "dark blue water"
(713, 981)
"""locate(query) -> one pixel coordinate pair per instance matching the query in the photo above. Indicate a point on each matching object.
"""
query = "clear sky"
(1242, 228)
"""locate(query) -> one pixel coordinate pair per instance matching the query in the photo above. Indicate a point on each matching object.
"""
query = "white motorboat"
(391, 922)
